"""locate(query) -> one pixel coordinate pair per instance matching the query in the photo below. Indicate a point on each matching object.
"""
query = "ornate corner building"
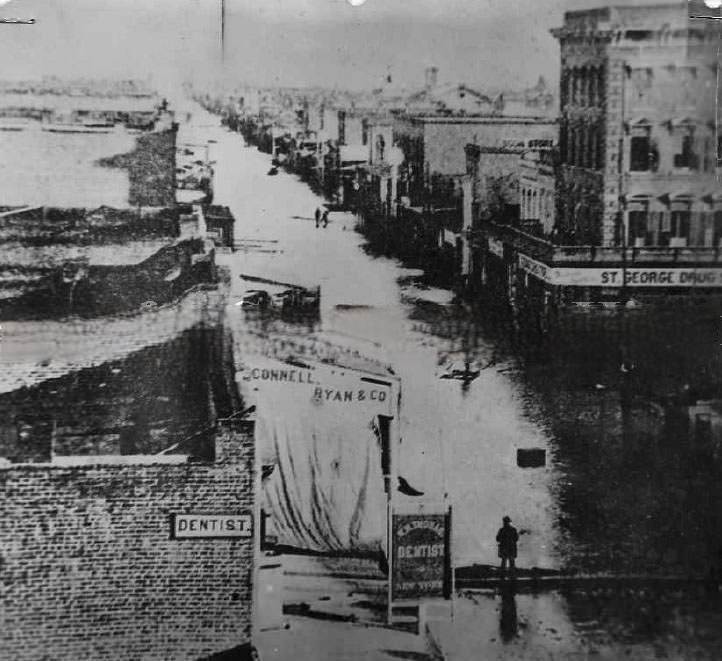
(638, 128)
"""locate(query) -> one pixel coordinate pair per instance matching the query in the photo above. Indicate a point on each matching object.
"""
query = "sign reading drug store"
(420, 556)
(204, 526)
(632, 276)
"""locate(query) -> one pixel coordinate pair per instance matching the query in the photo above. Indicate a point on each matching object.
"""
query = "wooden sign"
(204, 526)
(420, 556)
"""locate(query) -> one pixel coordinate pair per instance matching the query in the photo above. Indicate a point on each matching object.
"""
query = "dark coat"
(507, 537)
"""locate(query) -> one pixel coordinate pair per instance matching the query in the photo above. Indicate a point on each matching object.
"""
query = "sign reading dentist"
(420, 556)
(189, 526)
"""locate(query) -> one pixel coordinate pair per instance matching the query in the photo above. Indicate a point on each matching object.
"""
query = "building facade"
(537, 182)
(638, 203)
(638, 128)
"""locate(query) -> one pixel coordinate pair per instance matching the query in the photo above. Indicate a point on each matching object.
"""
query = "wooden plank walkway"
(560, 582)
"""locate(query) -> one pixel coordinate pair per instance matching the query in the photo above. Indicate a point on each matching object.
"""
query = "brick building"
(92, 567)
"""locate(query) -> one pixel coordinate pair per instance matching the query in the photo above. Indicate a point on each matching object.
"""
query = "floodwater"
(457, 442)
(132, 382)
(613, 475)
(620, 492)
(59, 169)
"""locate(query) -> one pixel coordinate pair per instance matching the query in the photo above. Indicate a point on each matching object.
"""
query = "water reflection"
(508, 623)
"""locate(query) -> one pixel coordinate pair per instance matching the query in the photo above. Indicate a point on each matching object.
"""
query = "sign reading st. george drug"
(203, 526)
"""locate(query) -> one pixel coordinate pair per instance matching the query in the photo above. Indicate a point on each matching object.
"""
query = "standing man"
(318, 216)
(325, 218)
(507, 538)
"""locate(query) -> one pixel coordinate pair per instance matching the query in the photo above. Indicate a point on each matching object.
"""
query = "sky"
(483, 43)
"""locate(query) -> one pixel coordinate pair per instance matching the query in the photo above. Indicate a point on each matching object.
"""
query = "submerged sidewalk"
(334, 610)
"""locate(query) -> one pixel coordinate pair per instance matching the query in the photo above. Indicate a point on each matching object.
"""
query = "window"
(342, 127)
(564, 142)
(380, 148)
(717, 228)
(679, 223)
(638, 227)
(584, 85)
(579, 147)
(529, 211)
(597, 163)
(686, 158)
(577, 87)
(640, 151)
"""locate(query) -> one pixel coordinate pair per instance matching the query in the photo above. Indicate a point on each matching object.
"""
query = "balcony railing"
(558, 255)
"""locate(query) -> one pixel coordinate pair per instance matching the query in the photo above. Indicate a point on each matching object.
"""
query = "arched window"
(570, 86)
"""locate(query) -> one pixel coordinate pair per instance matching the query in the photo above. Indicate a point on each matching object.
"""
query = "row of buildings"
(81, 104)
(611, 195)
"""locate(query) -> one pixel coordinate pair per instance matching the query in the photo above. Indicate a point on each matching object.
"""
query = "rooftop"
(669, 15)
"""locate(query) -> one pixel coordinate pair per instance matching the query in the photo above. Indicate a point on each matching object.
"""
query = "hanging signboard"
(420, 564)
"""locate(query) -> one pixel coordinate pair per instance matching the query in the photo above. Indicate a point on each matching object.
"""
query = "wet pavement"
(622, 491)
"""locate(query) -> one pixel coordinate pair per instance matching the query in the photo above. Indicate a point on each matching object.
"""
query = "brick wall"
(88, 568)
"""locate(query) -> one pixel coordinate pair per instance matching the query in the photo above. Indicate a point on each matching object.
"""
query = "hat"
(506, 519)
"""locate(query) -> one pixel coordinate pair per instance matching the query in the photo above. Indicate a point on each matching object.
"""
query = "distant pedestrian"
(507, 538)
(318, 216)
(325, 218)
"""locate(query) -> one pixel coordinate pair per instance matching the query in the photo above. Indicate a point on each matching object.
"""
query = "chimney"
(430, 75)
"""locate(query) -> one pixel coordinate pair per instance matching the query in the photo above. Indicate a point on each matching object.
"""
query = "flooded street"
(461, 439)
(614, 495)
(357, 331)
(455, 441)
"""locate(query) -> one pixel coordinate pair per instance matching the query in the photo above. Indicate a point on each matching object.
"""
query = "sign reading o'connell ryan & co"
(204, 526)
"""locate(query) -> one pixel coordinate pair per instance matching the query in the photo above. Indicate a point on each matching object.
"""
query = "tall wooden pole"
(223, 32)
